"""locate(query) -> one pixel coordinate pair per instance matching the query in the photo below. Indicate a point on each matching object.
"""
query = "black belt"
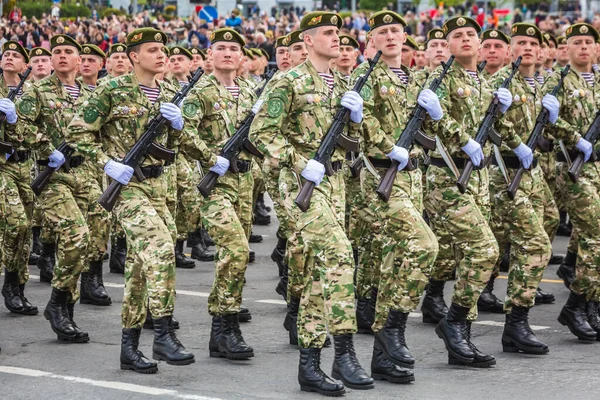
(413, 163)
(459, 162)
(513, 162)
(243, 166)
(152, 171)
(73, 162)
(549, 148)
(19, 156)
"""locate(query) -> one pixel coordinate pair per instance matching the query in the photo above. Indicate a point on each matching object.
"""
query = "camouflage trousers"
(460, 222)
(353, 197)
(259, 182)
(18, 199)
(172, 203)
(408, 246)
(582, 200)
(149, 228)
(227, 215)
(552, 199)
(187, 218)
(98, 220)
(271, 179)
(522, 220)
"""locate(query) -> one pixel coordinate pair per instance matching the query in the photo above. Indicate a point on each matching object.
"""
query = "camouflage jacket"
(295, 116)
(8, 136)
(213, 115)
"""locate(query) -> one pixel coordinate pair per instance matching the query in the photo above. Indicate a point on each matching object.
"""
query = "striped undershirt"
(92, 87)
(151, 93)
(589, 78)
(474, 75)
(234, 90)
(401, 74)
(328, 78)
(530, 81)
(73, 90)
(548, 70)
(540, 79)
(14, 87)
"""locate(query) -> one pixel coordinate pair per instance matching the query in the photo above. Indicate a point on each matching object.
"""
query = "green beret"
(196, 50)
(421, 47)
(178, 50)
(40, 51)
(227, 35)
(63, 40)
(550, 38)
(146, 35)
(281, 42)
(316, 19)
(582, 30)
(385, 18)
(117, 48)
(410, 42)
(259, 52)
(92, 49)
(346, 40)
(16, 46)
(248, 53)
(524, 29)
(460, 22)
(494, 34)
(435, 33)
(561, 40)
(294, 37)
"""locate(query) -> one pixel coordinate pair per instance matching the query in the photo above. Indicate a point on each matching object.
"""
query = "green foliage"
(110, 11)
(72, 11)
(375, 4)
(35, 9)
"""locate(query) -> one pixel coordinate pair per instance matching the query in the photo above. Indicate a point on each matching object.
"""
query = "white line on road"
(127, 387)
(283, 303)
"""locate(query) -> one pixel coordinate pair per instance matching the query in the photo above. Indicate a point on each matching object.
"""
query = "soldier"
(15, 176)
(409, 49)
(92, 60)
(41, 63)
(552, 50)
(180, 61)
(420, 60)
(104, 129)
(522, 219)
(197, 59)
(494, 50)
(208, 63)
(578, 106)
(539, 65)
(297, 48)
(117, 63)
(349, 51)
(289, 126)
(407, 248)
(562, 52)
(456, 218)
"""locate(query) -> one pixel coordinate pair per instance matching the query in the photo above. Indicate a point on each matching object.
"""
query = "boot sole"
(64, 338)
(488, 364)
(538, 302)
(203, 259)
(158, 357)
(230, 356)
(337, 376)
(245, 318)
(580, 337)
(25, 312)
(513, 347)
(95, 302)
(452, 354)
(152, 370)
(337, 393)
(381, 377)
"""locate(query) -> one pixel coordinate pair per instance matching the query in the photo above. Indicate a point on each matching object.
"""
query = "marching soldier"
(494, 50)
(41, 63)
(409, 50)
(552, 50)
(562, 52)
(197, 59)
(349, 51)
(420, 59)
(92, 59)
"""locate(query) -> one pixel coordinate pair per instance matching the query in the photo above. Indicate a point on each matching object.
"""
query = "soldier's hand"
(314, 172)
(585, 147)
(399, 154)
(430, 102)
(172, 113)
(353, 102)
(473, 150)
(505, 99)
(8, 108)
(56, 159)
(119, 172)
(551, 104)
(525, 155)
(221, 166)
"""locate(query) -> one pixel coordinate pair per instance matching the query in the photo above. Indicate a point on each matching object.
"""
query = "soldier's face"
(420, 59)
(581, 50)
(90, 66)
(65, 59)
(370, 49)
(226, 56)
(437, 51)
(526, 47)
(324, 41)
(149, 57)
(12, 61)
(119, 63)
(494, 52)
(298, 53)
(562, 54)
(196, 62)
(463, 42)
(551, 51)
(41, 67)
(408, 55)
(282, 57)
(389, 39)
(179, 64)
(347, 57)
(543, 54)
(208, 64)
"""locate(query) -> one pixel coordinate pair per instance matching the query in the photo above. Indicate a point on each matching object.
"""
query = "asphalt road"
(34, 365)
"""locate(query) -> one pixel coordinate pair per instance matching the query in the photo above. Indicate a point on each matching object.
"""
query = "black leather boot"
(231, 344)
(261, 215)
(505, 259)
(149, 323)
(36, 245)
(556, 259)
(565, 228)
(28, 308)
(215, 336)
(566, 271)
(58, 316)
(480, 360)
(166, 346)
(254, 238)
(574, 317)
(592, 309)
(453, 331)
(312, 379)
(200, 250)
(47, 261)
(244, 315)
(291, 320)
(391, 340)
(10, 291)
(132, 358)
(434, 307)
(282, 285)
(92, 286)
(488, 300)
(181, 260)
(278, 254)
(206, 238)
(382, 369)
(364, 316)
(118, 255)
(80, 335)
(346, 366)
(260, 203)
(251, 256)
(542, 297)
(518, 336)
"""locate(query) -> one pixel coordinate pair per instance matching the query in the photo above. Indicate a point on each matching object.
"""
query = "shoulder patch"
(26, 105)
(190, 109)
(90, 115)
(275, 107)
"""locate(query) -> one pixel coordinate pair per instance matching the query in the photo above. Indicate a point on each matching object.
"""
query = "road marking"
(126, 387)
(283, 303)
(489, 323)
(543, 280)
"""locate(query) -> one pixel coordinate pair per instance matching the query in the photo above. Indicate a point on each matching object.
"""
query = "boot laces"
(172, 335)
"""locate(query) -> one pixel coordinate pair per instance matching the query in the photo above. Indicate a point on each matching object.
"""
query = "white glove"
(473, 150)
(525, 155)
(353, 102)
(56, 159)
(8, 108)
(429, 101)
(119, 172)
(505, 99)
(172, 113)
(221, 166)
(399, 154)
(585, 147)
(256, 106)
(551, 104)
(314, 171)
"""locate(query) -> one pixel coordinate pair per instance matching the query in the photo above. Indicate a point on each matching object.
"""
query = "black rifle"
(6, 147)
(591, 136)
(486, 130)
(411, 133)
(481, 65)
(536, 134)
(330, 140)
(40, 181)
(146, 145)
(235, 144)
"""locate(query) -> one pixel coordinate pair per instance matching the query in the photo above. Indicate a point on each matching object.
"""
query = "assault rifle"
(591, 136)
